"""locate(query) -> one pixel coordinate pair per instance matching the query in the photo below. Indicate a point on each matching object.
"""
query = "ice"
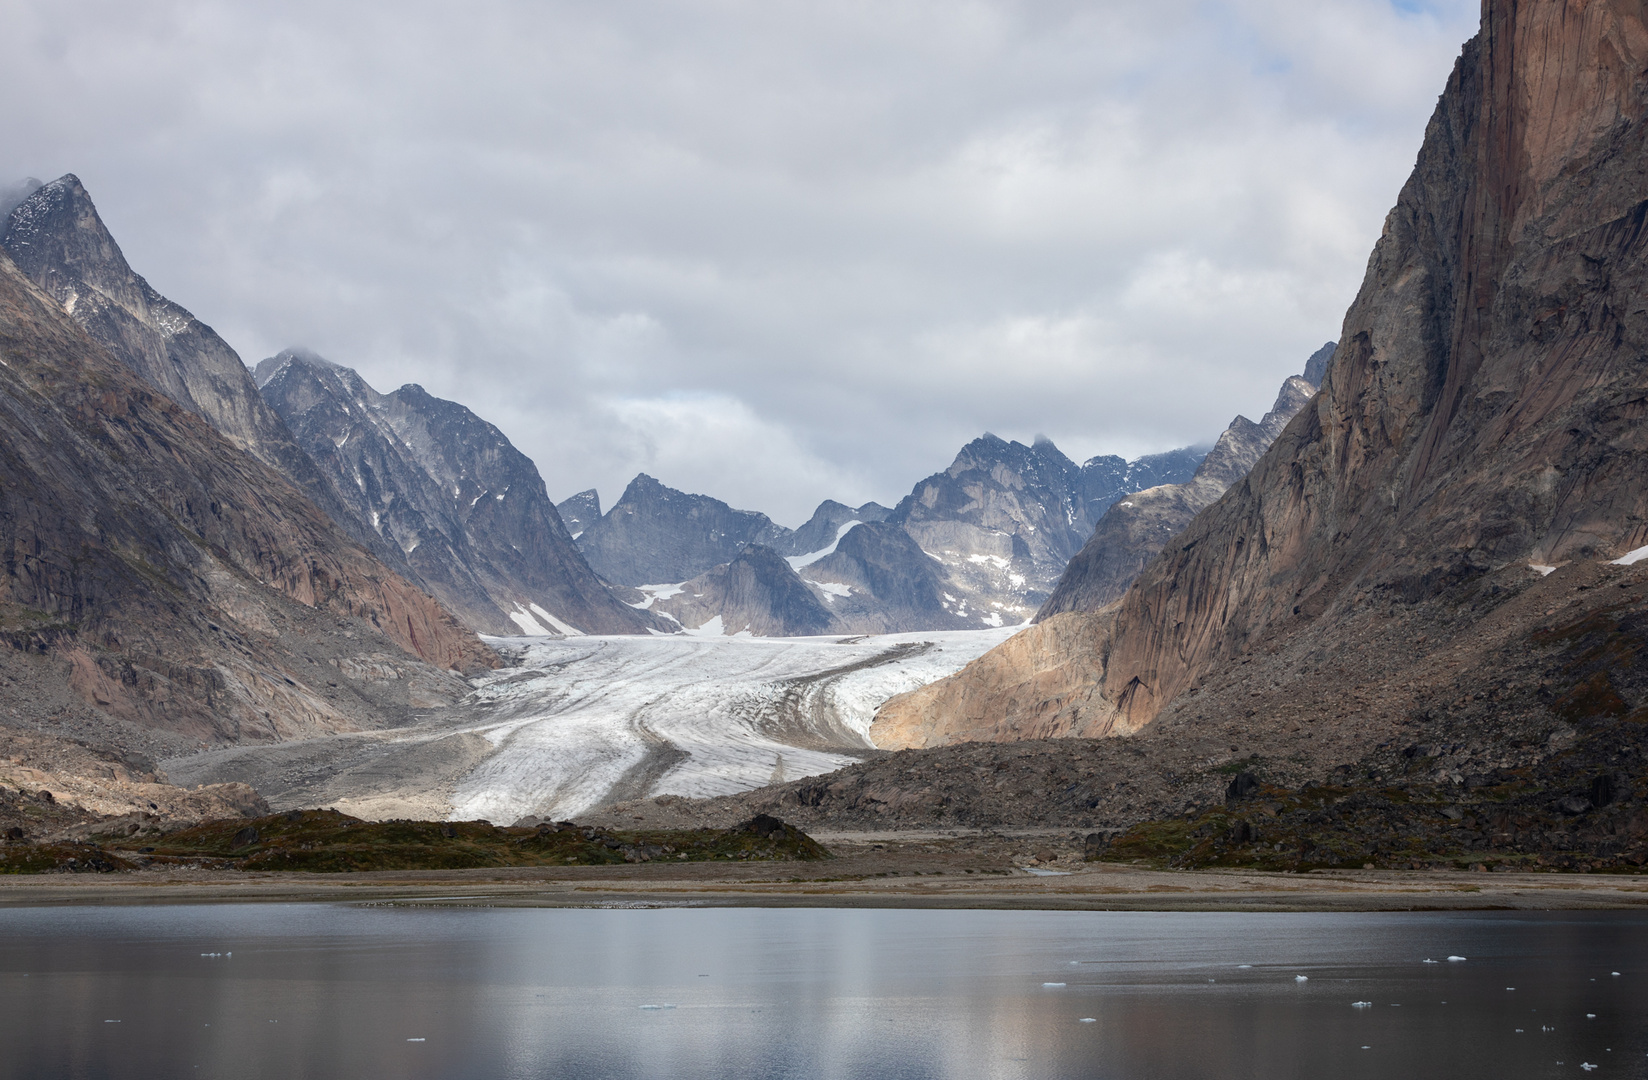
(523, 618)
(1301, 978)
(710, 712)
(831, 589)
(561, 627)
(798, 561)
(1456, 959)
(1586, 1065)
(1361, 1004)
(1088, 1020)
(658, 592)
(1053, 986)
(1632, 557)
(1429, 961)
(417, 1040)
(1590, 1016)
(656, 1008)
(1544, 571)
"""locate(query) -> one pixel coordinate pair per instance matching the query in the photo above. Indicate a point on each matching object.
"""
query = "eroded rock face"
(1138, 526)
(174, 581)
(1484, 406)
(465, 510)
(580, 511)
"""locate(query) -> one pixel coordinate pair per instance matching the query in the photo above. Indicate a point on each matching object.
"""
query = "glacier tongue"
(594, 719)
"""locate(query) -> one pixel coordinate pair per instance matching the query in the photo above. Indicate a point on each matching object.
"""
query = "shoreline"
(840, 884)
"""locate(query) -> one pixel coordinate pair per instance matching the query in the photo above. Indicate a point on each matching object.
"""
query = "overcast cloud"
(771, 251)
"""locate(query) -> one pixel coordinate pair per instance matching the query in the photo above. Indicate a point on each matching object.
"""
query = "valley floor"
(573, 724)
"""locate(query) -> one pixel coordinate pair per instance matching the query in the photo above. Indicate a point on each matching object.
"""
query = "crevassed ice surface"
(686, 715)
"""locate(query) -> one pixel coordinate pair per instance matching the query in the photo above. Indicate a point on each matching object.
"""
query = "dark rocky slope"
(174, 583)
(757, 592)
(55, 236)
(655, 535)
(466, 511)
(1482, 412)
(1135, 528)
(823, 529)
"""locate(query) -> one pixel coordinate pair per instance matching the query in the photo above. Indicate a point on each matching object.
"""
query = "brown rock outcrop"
(1486, 401)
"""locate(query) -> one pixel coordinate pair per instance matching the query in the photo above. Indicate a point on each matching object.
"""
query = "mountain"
(161, 584)
(1134, 529)
(656, 535)
(467, 511)
(1005, 518)
(878, 580)
(827, 524)
(756, 592)
(580, 511)
(1478, 439)
(55, 236)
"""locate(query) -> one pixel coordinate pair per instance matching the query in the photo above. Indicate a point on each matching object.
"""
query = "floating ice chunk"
(1586, 1065)
(1428, 960)
(1088, 1020)
(417, 1040)
(654, 1008)
(1456, 959)
(1613, 973)
(1240, 966)
(1301, 978)
(1361, 1004)
(1054, 985)
(111, 1021)
(1519, 1031)
(1367, 1048)
(1510, 988)
(1590, 1016)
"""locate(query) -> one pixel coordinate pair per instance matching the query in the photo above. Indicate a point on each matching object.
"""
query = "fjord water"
(277, 990)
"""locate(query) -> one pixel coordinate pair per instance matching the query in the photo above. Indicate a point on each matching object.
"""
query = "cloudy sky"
(771, 251)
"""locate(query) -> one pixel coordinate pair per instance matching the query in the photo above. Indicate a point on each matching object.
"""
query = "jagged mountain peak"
(655, 534)
(468, 510)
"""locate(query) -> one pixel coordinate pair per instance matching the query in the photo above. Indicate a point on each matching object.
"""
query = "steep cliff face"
(1134, 529)
(656, 535)
(175, 581)
(826, 526)
(466, 511)
(879, 580)
(1483, 409)
(55, 235)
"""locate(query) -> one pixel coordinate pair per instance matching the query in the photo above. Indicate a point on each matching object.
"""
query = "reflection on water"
(332, 991)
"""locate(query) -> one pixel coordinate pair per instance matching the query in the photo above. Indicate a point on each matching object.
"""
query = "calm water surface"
(339, 991)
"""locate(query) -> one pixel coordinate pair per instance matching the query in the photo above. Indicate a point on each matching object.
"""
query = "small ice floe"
(1519, 1031)
(1051, 986)
(417, 1040)
(1510, 988)
(1546, 1027)
(1367, 1048)
(1586, 1065)
(1361, 1004)
(1614, 973)
(214, 955)
(1428, 960)
(1301, 978)
(1590, 1016)
(655, 1008)
(1240, 966)
(1088, 1020)
(1456, 959)
(111, 1021)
